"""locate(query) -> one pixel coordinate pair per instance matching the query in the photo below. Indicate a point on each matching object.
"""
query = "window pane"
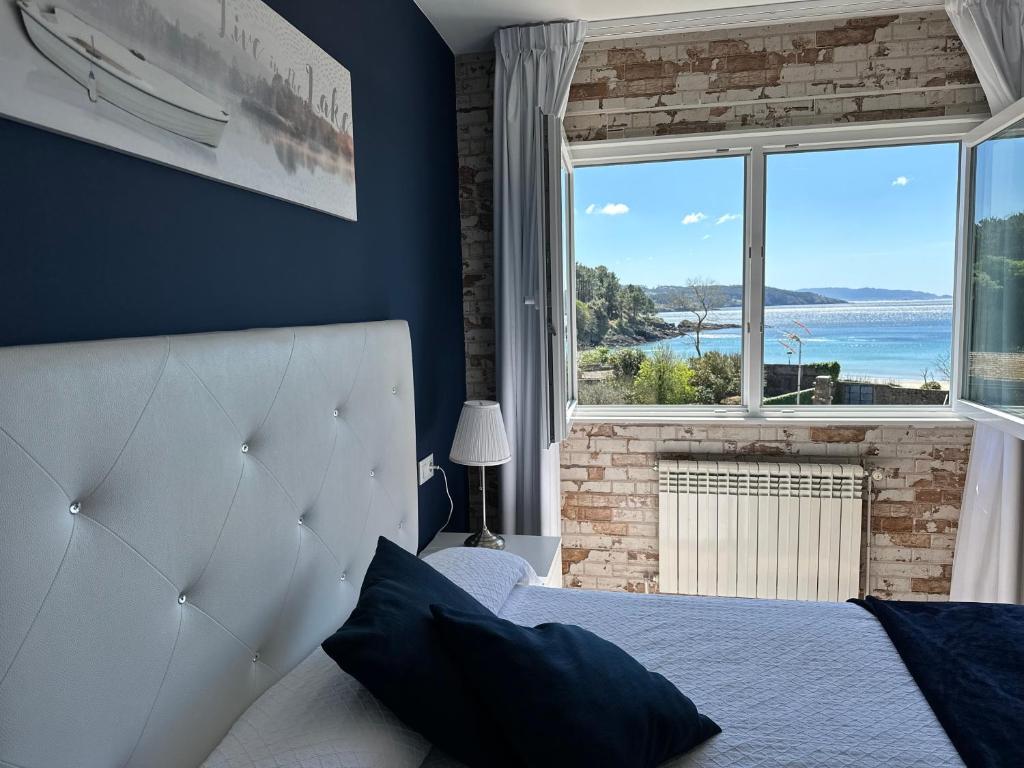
(659, 282)
(859, 266)
(995, 370)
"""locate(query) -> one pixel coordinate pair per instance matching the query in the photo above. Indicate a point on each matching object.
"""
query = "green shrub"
(716, 376)
(664, 379)
(626, 362)
(590, 359)
(605, 392)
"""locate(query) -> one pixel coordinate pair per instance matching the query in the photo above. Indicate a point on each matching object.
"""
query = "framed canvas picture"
(226, 89)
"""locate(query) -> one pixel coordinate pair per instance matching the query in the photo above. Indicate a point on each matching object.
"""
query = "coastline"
(874, 342)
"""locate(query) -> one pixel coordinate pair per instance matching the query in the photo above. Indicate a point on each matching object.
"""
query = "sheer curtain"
(988, 562)
(533, 72)
(992, 31)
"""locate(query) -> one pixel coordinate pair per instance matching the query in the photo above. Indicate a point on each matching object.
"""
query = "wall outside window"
(886, 68)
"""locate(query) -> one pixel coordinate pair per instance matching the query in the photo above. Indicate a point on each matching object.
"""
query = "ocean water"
(878, 340)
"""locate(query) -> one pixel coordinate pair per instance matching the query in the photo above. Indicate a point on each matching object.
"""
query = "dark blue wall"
(95, 244)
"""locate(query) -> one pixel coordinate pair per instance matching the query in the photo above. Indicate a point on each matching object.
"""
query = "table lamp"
(480, 441)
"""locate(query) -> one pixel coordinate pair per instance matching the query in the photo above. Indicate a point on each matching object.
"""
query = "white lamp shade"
(480, 439)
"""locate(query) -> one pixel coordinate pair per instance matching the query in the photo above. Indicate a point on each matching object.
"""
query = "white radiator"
(759, 529)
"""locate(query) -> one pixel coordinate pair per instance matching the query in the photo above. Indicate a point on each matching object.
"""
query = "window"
(659, 282)
(859, 266)
(849, 301)
(783, 271)
(993, 384)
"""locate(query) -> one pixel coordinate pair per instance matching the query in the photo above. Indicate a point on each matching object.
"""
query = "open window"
(992, 275)
(558, 276)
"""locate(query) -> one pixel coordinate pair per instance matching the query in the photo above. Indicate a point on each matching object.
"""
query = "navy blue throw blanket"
(968, 660)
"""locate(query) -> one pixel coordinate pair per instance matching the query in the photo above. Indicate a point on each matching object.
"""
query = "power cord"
(451, 503)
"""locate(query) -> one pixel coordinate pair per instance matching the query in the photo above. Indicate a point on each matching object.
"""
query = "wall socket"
(426, 468)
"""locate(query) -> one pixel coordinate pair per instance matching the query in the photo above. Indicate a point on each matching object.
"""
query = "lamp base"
(484, 538)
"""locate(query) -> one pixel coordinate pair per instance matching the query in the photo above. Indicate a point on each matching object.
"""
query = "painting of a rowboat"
(222, 88)
(122, 76)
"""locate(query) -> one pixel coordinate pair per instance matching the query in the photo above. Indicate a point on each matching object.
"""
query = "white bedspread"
(790, 683)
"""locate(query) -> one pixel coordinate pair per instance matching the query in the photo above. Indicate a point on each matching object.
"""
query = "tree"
(602, 317)
(944, 365)
(607, 288)
(700, 297)
(586, 283)
(586, 325)
(635, 303)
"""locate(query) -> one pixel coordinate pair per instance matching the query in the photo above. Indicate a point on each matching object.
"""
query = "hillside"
(875, 294)
(666, 297)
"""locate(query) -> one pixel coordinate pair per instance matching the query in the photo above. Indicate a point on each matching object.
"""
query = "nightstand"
(544, 553)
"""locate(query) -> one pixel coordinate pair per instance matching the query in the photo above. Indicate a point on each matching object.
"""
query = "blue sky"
(882, 218)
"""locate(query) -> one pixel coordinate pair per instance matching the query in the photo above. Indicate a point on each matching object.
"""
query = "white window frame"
(558, 217)
(755, 145)
(995, 417)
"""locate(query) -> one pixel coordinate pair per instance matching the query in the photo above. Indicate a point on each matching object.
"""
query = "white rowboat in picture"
(122, 76)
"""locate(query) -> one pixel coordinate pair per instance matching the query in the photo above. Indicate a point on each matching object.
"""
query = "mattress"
(790, 683)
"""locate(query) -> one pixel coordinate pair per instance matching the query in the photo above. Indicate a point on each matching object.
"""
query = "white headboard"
(182, 520)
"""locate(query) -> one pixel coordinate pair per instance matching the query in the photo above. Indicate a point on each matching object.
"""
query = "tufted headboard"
(182, 520)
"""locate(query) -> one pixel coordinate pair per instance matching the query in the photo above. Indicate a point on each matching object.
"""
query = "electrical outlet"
(426, 468)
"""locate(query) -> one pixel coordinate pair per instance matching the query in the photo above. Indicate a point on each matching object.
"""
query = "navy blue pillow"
(562, 696)
(391, 644)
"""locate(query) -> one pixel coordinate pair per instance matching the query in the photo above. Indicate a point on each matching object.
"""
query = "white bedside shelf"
(544, 553)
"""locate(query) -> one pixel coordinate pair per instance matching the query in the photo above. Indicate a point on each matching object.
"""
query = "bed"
(803, 684)
(184, 519)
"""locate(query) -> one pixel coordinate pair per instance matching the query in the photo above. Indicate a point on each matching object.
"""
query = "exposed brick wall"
(761, 64)
(474, 77)
(474, 100)
(882, 68)
(632, 86)
(610, 496)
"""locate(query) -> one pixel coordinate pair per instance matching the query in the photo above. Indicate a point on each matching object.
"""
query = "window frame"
(755, 146)
(558, 261)
(975, 411)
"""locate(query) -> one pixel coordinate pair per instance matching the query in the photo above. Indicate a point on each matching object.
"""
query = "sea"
(884, 341)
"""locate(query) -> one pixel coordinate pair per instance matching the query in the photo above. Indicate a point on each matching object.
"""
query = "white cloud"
(706, 237)
(694, 218)
(609, 209)
(726, 217)
(900, 181)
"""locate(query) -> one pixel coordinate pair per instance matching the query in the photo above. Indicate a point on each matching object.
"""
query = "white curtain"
(992, 31)
(988, 564)
(533, 72)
